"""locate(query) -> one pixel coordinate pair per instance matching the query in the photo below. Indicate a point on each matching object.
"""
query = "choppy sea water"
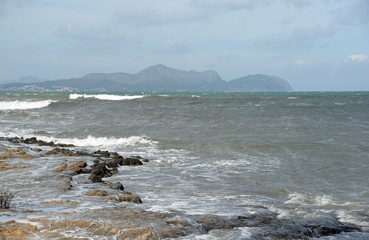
(301, 155)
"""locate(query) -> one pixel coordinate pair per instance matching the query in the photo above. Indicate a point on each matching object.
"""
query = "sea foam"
(92, 141)
(22, 105)
(105, 96)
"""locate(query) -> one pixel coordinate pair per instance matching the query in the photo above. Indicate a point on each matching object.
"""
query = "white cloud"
(358, 57)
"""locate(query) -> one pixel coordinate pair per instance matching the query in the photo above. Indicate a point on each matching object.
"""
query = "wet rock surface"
(122, 219)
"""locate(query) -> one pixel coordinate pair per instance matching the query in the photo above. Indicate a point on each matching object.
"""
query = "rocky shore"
(118, 214)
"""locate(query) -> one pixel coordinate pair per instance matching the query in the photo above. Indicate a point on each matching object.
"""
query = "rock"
(132, 161)
(31, 140)
(61, 168)
(77, 167)
(69, 177)
(85, 171)
(100, 169)
(100, 153)
(111, 198)
(99, 193)
(34, 140)
(95, 178)
(116, 185)
(112, 163)
(129, 197)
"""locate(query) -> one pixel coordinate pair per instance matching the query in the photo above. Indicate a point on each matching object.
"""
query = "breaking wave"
(92, 141)
(22, 105)
(105, 96)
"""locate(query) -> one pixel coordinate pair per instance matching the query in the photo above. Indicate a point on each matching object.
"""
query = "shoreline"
(115, 213)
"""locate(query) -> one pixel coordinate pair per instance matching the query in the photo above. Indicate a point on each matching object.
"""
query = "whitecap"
(105, 96)
(104, 142)
(23, 105)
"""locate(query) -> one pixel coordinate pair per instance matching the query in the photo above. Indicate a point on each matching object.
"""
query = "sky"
(316, 45)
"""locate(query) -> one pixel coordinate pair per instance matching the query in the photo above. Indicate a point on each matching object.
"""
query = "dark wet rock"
(268, 225)
(132, 161)
(81, 153)
(145, 160)
(95, 178)
(129, 197)
(116, 185)
(85, 171)
(31, 140)
(119, 159)
(112, 163)
(100, 169)
(100, 153)
(34, 140)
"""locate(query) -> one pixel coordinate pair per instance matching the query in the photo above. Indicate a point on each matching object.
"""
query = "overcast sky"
(314, 44)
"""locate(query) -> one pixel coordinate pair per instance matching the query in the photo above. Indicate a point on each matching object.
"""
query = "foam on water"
(104, 142)
(317, 200)
(105, 96)
(23, 105)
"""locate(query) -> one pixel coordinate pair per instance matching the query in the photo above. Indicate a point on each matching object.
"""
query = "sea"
(297, 154)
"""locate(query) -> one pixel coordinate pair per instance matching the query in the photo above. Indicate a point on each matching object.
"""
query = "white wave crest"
(21, 105)
(105, 96)
(92, 141)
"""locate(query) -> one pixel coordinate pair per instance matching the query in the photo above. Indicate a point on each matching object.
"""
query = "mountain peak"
(156, 68)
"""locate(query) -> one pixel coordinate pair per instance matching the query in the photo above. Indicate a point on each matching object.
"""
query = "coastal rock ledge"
(81, 202)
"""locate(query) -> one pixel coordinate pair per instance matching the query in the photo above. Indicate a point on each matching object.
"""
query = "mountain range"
(157, 78)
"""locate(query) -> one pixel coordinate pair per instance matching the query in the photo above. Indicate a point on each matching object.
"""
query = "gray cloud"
(357, 13)
(298, 38)
(147, 17)
(173, 47)
(230, 5)
(88, 33)
(194, 11)
(7, 5)
(299, 3)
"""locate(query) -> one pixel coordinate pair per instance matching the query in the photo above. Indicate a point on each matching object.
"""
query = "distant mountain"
(157, 78)
(26, 79)
(258, 83)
